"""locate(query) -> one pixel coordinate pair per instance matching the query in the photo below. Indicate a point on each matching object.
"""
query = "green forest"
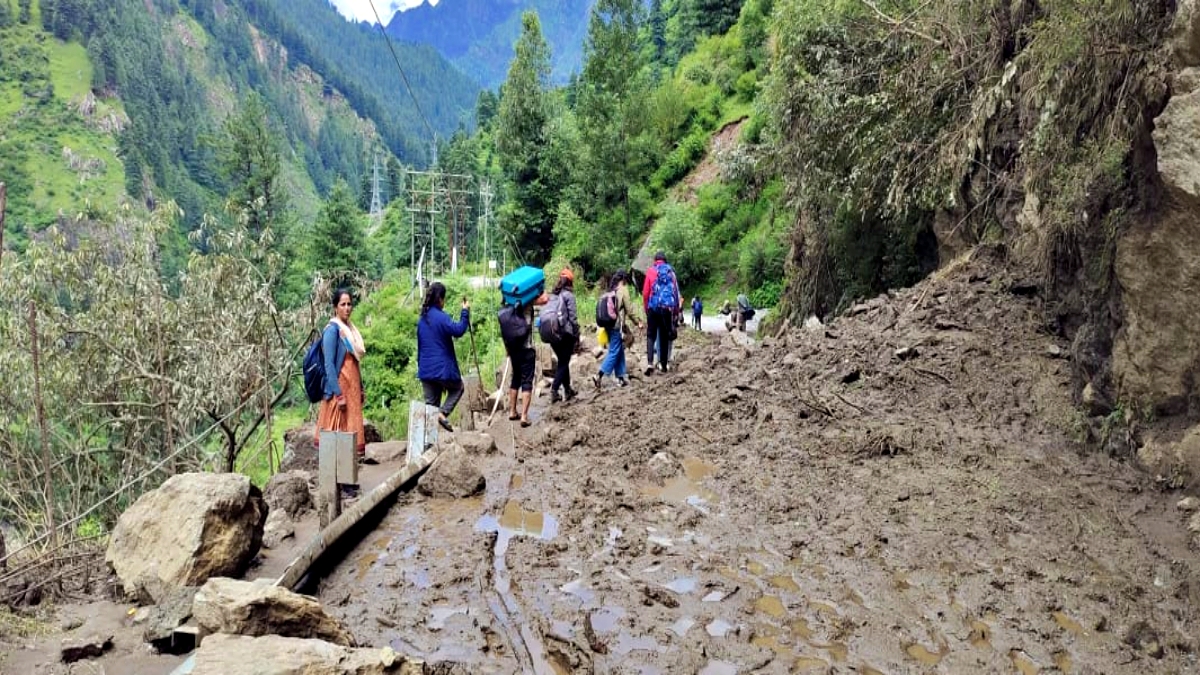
(188, 179)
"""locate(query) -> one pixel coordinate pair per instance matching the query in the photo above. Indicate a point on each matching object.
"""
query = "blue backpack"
(314, 371)
(662, 294)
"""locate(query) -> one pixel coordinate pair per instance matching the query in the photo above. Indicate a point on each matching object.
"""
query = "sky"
(360, 10)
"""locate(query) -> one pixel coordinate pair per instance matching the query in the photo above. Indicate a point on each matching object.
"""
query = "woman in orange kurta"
(342, 348)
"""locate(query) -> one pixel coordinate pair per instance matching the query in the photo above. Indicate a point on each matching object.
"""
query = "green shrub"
(680, 234)
(767, 295)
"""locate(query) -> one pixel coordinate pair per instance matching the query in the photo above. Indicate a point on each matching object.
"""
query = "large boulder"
(275, 655)
(1183, 39)
(289, 492)
(300, 448)
(170, 613)
(260, 608)
(476, 442)
(386, 452)
(453, 474)
(1156, 352)
(279, 527)
(196, 526)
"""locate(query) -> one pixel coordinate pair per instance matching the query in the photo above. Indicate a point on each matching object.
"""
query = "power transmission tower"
(376, 197)
(485, 226)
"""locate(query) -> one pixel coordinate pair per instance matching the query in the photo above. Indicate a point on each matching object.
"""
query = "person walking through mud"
(516, 330)
(697, 311)
(560, 328)
(342, 349)
(661, 300)
(614, 313)
(437, 363)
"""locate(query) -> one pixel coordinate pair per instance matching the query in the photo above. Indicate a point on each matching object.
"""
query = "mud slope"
(820, 504)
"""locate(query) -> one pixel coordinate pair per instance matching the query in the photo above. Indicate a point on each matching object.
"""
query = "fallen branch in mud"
(931, 373)
(816, 407)
(694, 430)
(881, 445)
(858, 408)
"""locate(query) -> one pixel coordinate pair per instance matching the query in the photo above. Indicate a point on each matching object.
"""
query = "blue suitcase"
(522, 286)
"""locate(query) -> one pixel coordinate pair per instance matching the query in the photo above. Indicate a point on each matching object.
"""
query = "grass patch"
(70, 70)
(255, 460)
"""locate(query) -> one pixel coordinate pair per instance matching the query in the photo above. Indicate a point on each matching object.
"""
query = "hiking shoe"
(571, 393)
(649, 370)
(597, 379)
(554, 397)
(663, 366)
(623, 381)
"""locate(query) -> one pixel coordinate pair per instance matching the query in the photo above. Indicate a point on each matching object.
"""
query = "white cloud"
(360, 10)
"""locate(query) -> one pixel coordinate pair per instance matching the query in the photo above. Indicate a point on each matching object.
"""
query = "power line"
(387, 38)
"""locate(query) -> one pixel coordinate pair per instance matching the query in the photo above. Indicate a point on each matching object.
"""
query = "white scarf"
(350, 332)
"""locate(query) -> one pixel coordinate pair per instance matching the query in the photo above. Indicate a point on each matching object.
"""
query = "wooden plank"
(330, 535)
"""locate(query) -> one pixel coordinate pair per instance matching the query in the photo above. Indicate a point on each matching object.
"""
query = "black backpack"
(550, 321)
(606, 311)
(513, 326)
(314, 370)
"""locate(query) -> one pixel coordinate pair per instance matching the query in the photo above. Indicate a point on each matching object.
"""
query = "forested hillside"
(110, 98)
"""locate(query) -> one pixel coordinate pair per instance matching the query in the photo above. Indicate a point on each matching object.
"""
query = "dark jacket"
(570, 313)
(436, 360)
(334, 349)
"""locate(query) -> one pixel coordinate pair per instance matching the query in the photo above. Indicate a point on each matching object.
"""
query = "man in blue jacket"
(437, 364)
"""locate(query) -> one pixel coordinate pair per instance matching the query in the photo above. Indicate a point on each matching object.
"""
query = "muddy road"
(902, 491)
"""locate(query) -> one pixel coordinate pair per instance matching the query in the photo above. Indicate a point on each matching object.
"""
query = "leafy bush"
(767, 295)
(681, 235)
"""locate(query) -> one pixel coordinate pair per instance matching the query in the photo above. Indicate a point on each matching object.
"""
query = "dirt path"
(815, 504)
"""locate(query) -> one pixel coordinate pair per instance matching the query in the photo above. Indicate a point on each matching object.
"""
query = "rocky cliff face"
(1156, 351)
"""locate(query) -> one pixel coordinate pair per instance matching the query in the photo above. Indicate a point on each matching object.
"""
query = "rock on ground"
(279, 527)
(300, 448)
(249, 608)
(387, 451)
(170, 613)
(88, 648)
(453, 474)
(289, 492)
(275, 655)
(476, 442)
(196, 526)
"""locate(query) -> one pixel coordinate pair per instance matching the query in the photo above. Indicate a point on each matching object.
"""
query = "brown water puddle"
(1023, 663)
(1068, 624)
(924, 656)
(981, 634)
(686, 488)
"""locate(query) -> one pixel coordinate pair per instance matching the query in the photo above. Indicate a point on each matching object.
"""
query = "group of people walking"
(341, 408)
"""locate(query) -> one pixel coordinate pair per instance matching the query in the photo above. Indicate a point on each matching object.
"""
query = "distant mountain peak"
(478, 35)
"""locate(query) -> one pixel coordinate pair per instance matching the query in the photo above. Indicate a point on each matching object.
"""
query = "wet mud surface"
(814, 503)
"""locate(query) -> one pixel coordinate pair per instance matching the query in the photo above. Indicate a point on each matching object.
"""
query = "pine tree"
(26, 10)
(611, 106)
(525, 111)
(249, 161)
(6, 17)
(338, 236)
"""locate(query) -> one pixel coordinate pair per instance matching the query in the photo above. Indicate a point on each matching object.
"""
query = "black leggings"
(433, 390)
(658, 327)
(563, 349)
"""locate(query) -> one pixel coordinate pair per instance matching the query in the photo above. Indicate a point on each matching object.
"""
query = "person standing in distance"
(437, 363)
